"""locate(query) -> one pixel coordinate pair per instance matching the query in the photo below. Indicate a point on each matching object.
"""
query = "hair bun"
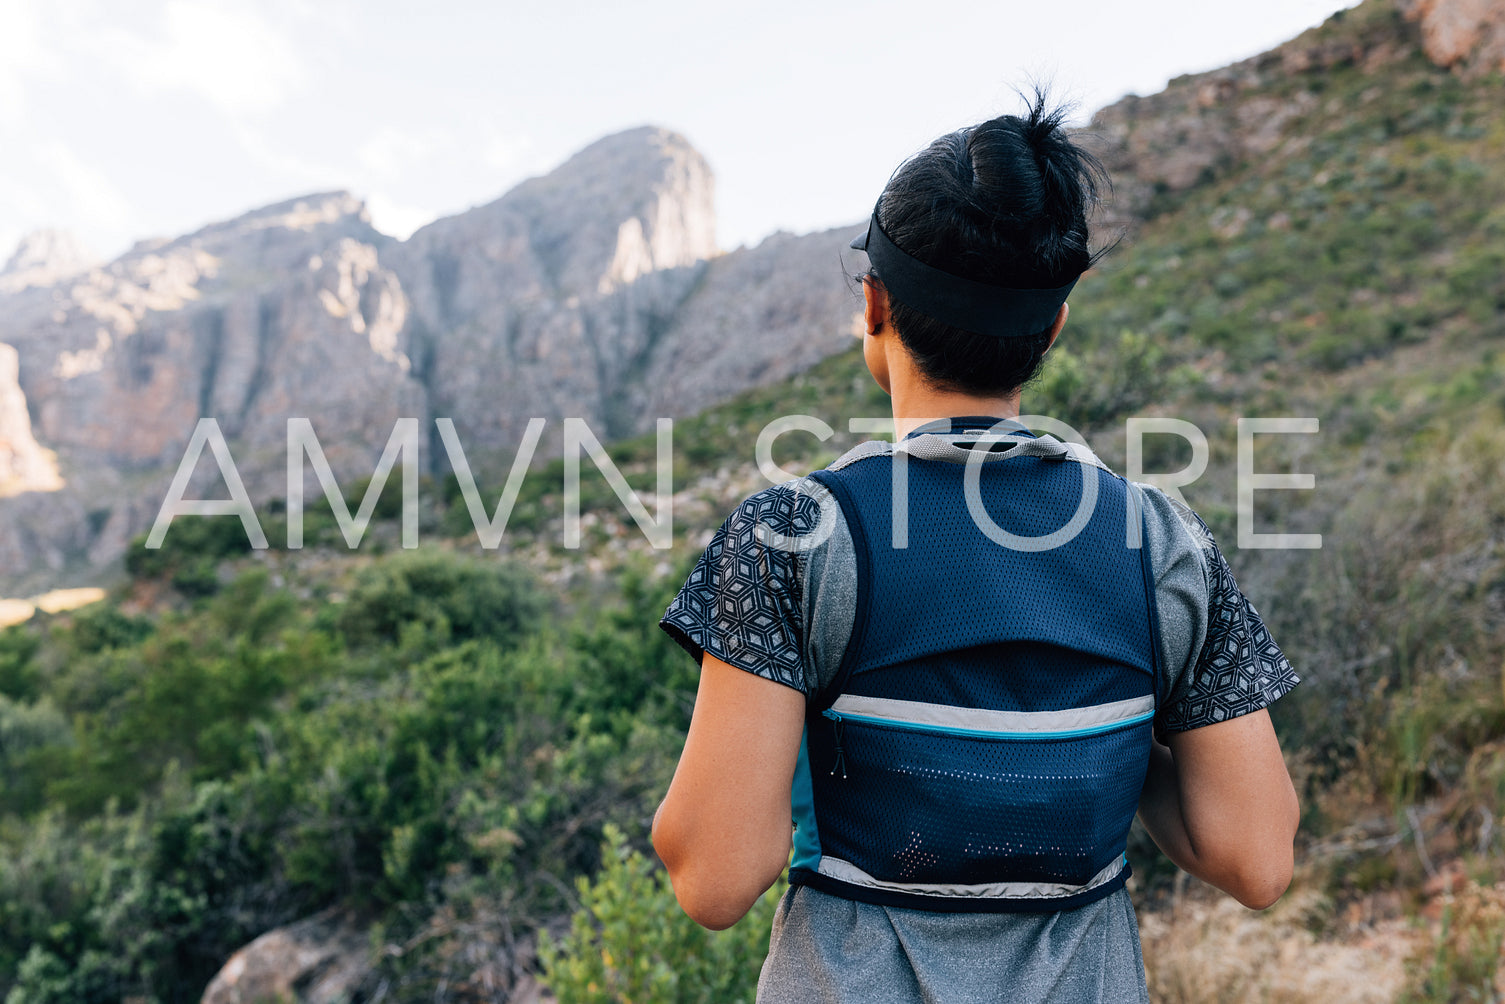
(1004, 203)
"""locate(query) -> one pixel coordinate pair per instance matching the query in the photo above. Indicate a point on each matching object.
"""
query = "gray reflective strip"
(979, 720)
(932, 446)
(847, 872)
(863, 450)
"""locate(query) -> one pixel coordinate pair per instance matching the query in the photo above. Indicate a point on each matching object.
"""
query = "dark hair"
(1004, 203)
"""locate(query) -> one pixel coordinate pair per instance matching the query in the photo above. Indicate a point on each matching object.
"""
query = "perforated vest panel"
(986, 738)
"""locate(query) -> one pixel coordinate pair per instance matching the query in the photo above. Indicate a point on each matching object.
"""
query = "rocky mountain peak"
(302, 222)
(631, 203)
(634, 202)
(42, 258)
(303, 213)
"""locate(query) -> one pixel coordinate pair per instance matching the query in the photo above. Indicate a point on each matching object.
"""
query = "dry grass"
(1459, 960)
(1204, 949)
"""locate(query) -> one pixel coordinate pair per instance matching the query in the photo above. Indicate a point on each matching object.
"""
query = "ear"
(1060, 322)
(875, 305)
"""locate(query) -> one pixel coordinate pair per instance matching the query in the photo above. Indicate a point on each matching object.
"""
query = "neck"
(917, 402)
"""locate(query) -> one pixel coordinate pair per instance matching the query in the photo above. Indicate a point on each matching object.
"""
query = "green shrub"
(189, 692)
(190, 538)
(436, 598)
(19, 676)
(102, 625)
(28, 732)
(630, 943)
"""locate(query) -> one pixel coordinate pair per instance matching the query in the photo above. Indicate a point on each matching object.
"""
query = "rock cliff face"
(750, 322)
(592, 292)
(1466, 34)
(247, 321)
(24, 465)
(543, 302)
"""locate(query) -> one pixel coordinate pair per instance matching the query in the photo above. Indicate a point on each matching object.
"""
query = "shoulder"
(746, 599)
(792, 509)
(1176, 534)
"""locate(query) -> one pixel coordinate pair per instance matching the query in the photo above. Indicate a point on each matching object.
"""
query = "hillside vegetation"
(442, 744)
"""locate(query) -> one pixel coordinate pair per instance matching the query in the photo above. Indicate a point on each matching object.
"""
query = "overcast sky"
(124, 119)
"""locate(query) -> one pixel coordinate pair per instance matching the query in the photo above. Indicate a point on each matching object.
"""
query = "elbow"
(713, 912)
(1260, 889)
(714, 891)
(714, 901)
(1258, 878)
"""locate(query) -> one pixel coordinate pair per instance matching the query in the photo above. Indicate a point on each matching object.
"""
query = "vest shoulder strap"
(961, 448)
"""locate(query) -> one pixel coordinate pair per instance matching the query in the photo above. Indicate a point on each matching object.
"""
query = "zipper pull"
(841, 756)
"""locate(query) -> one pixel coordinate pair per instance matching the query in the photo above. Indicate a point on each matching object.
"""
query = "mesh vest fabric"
(984, 743)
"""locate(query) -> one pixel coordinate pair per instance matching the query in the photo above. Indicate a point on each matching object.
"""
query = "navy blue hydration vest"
(984, 742)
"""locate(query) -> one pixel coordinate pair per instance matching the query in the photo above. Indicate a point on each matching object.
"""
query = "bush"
(630, 942)
(190, 540)
(1098, 383)
(439, 597)
(101, 626)
(27, 731)
(19, 676)
(191, 691)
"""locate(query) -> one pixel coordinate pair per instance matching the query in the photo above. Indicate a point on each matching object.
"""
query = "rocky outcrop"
(593, 292)
(1204, 124)
(282, 312)
(42, 258)
(24, 465)
(320, 960)
(1468, 35)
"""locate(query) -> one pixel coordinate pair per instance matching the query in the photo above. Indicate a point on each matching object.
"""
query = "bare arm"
(723, 829)
(1219, 802)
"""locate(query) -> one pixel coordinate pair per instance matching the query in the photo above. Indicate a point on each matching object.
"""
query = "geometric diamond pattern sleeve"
(742, 601)
(1240, 669)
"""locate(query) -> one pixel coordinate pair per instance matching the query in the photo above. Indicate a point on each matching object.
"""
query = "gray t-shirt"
(786, 614)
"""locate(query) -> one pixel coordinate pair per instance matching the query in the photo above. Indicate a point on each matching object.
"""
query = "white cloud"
(227, 53)
(21, 53)
(87, 192)
(508, 153)
(389, 151)
(10, 239)
(46, 183)
(22, 204)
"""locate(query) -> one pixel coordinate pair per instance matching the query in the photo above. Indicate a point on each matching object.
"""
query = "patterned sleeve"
(742, 601)
(1239, 669)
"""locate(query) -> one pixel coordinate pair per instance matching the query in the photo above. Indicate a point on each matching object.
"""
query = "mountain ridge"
(539, 303)
(594, 291)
